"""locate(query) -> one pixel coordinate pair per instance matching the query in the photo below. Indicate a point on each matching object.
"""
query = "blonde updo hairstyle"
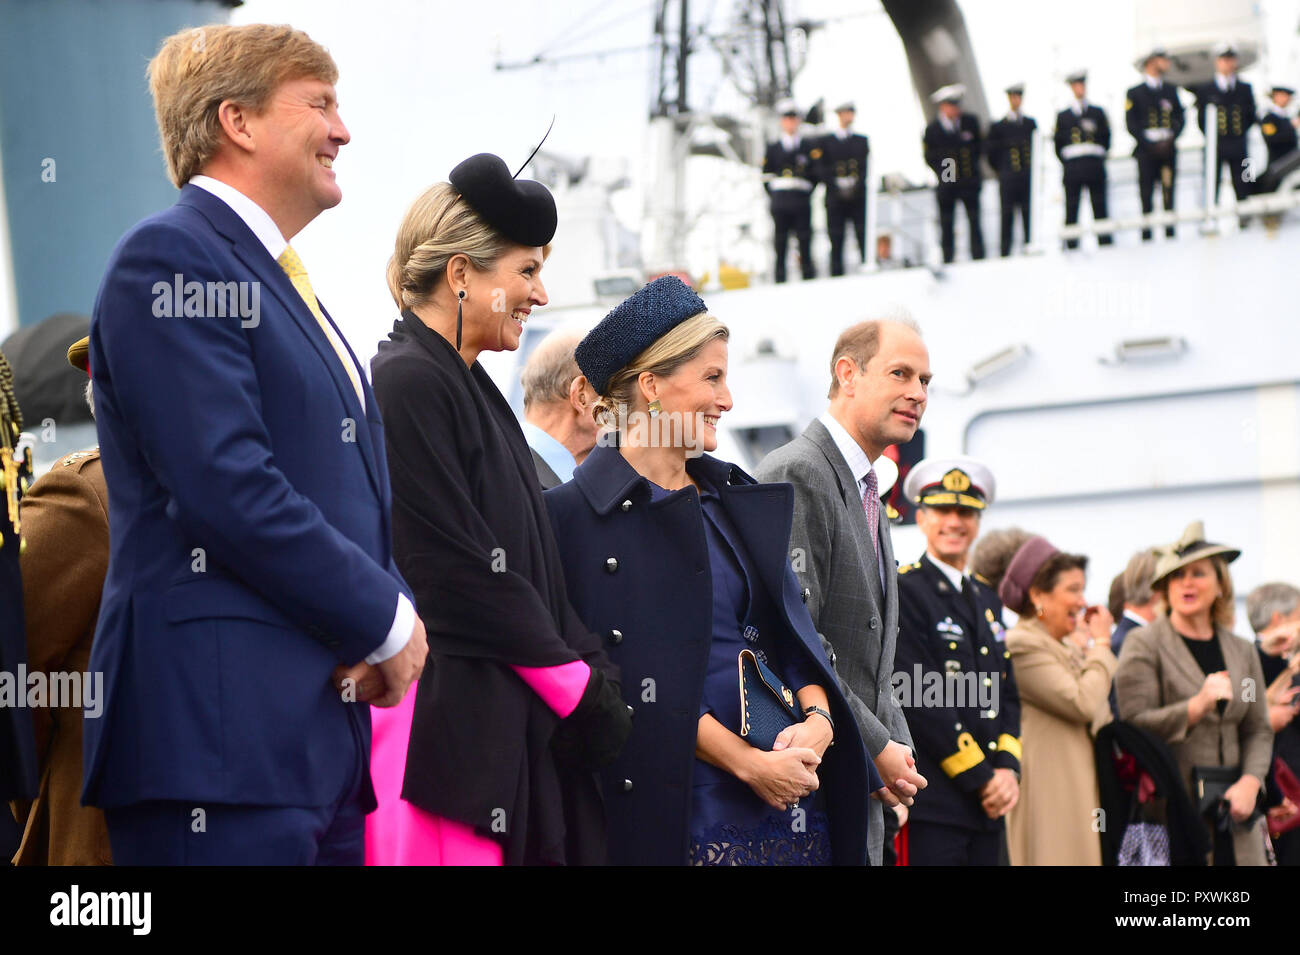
(439, 226)
(675, 348)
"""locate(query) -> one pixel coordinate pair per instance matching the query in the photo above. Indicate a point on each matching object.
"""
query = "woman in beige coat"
(1064, 692)
(1189, 680)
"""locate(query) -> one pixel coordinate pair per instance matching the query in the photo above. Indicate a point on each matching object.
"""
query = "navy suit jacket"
(249, 509)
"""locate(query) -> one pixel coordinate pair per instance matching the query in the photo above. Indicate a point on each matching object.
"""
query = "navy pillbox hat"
(634, 325)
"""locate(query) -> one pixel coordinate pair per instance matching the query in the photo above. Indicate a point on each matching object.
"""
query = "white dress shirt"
(268, 233)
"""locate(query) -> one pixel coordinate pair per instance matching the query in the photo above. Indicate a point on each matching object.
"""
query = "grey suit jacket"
(833, 556)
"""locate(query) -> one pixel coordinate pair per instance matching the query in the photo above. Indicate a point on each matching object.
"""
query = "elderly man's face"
(889, 395)
(296, 140)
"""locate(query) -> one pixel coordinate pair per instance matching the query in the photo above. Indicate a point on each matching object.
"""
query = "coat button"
(988, 681)
(984, 651)
(626, 505)
(627, 785)
(952, 646)
(873, 623)
(616, 637)
(630, 711)
(957, 727)
(992, 745)
(611, 564)
(806, 594)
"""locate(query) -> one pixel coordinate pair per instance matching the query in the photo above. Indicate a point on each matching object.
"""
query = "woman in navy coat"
(679, 561)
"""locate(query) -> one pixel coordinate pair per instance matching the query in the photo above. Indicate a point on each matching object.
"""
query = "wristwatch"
(809, 710)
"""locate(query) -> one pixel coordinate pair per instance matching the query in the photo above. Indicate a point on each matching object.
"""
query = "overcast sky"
(419, 92)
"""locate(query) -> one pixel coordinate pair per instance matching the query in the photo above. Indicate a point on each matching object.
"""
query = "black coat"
(955, 156)
(843, 167)
(1279, 135)
(1010, 147)
(654, 608)
(1236, 109)
(798, 168)
(1154, 109)
(957, 748)
(1189, 839)
(1082, 142)
(471, 537)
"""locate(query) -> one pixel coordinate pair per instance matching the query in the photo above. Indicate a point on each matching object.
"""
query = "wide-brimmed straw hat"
(1188, 549)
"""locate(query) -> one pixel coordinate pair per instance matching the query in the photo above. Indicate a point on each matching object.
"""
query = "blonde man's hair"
(196, 70)
(676, 347)
(439, 225)
(859, 343)
(1222, 611)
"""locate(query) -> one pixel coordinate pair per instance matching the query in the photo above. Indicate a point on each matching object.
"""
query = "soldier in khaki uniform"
(65, 526)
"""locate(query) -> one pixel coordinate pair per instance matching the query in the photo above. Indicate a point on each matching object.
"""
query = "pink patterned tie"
(871, 502)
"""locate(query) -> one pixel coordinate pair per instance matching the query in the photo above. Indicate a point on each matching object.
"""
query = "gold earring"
(655, 408)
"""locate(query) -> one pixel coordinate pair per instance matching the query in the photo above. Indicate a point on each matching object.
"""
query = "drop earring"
(654, 408)
(460, 301)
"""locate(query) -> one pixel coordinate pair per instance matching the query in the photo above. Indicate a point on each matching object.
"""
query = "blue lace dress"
(730, 825)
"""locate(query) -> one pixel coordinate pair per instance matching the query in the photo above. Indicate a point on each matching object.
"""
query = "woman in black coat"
(517, 705)
(679, 561)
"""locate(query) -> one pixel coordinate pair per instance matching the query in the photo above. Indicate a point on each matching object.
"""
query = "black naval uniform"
(18, 764)
(942, 630)
(1082, 141)
(843, 168)
(1154, 117)
(1236, 107)
(955, 158)
(790, 175)
(1010, 149)
(1279, 134)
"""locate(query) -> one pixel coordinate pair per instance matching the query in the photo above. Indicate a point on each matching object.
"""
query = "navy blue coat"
(249, 503)
(638, 574)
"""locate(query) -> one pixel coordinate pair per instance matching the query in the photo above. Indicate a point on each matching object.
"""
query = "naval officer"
(1154, 118)
(952, 149)
(789, 176)
(1082, 141)
(1010, 151)
(950, 636)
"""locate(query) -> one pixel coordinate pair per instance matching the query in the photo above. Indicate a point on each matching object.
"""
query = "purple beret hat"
(1028, 560)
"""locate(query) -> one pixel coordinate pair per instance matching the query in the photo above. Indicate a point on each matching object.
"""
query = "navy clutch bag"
(767, 706)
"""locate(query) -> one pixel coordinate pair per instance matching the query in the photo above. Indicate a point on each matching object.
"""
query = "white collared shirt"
(789, 143)
(1136, 618)
(843, 133)
(255, 217)
(261, 224)
(1079, 106)
(1153, 82)
(955, 576)
(1224, 83)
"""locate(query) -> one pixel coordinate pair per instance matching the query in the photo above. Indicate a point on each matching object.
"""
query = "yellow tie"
(297, 273)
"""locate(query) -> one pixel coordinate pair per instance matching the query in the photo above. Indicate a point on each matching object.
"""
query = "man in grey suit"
(840, 545)
(558, 403)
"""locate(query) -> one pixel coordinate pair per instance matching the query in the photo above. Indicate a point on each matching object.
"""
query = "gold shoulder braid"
(15, 471)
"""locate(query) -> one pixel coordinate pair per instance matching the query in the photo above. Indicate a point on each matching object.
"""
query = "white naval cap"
(951, 482)
(1226, 48)
(952, 93)
(787, 107)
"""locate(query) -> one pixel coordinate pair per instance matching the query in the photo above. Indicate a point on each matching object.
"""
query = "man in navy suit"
(251, 606)
(1132, 603)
